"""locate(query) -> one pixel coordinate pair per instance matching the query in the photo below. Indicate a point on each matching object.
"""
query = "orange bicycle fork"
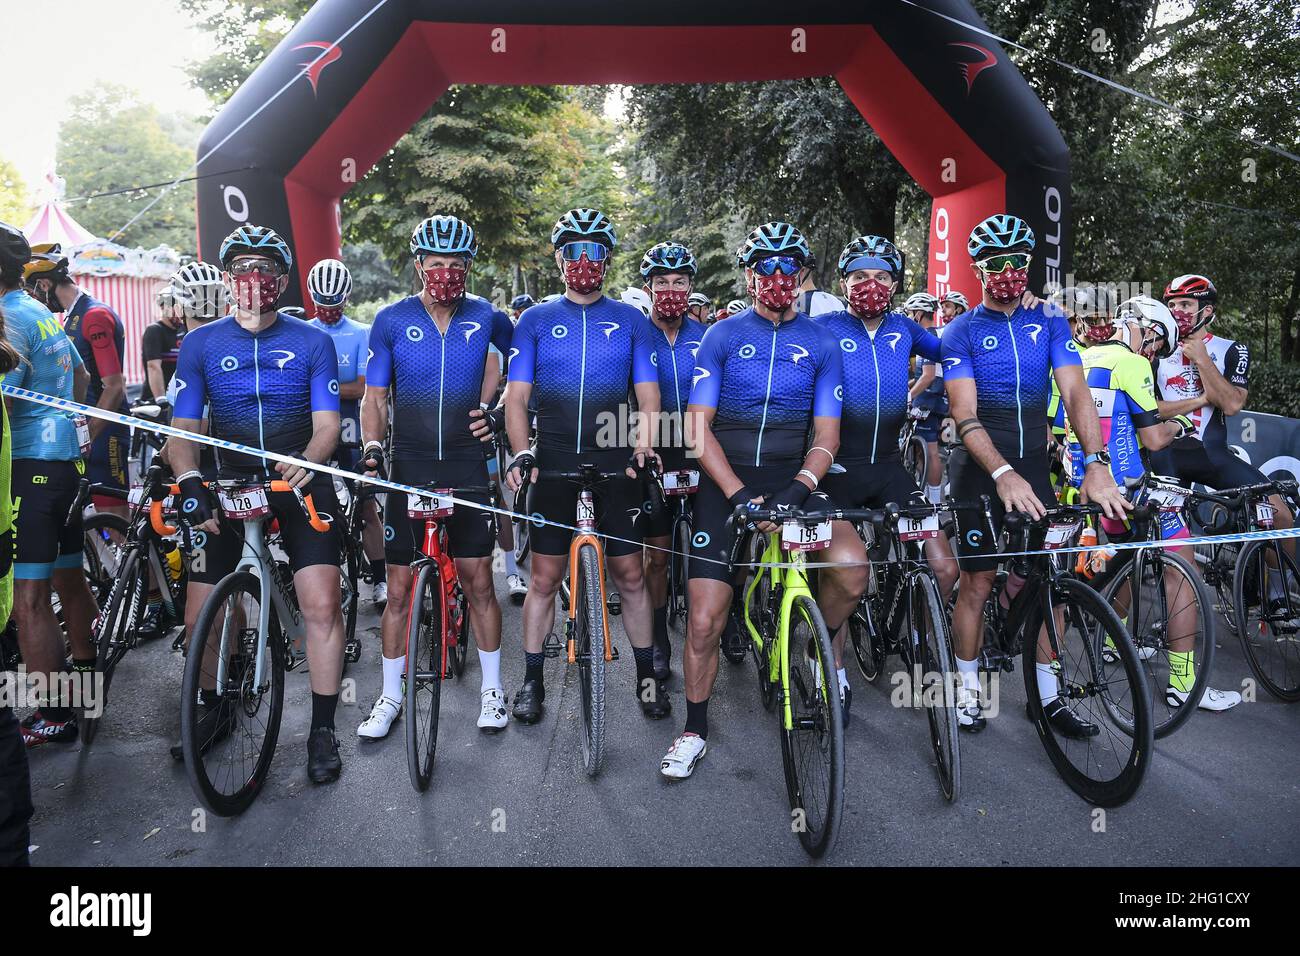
(579, 540)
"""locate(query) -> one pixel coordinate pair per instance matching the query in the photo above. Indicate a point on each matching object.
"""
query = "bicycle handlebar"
(1234, 496)
(276, 486)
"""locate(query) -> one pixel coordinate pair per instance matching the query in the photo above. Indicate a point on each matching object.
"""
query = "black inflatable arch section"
(943, 98)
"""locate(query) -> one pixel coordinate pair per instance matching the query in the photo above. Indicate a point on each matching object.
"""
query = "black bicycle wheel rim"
(865, 641)
(97, 527)
(813, 749)
(424, 675)
(938, 692)
(232, 772)
(589, 624)
(115, 626)
(459, 635)
(1268, 636)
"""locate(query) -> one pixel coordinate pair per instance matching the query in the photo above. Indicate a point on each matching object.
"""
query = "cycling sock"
(934, 493)
(322, 710)
(1182, 671)
(512, 566)
(970, 673)
(645, 666)
(843, 675)
(533, 666)
(1048, 689)
(490, 662)
(697, 718)
(378, 570)
(661, 625)
(393, 677)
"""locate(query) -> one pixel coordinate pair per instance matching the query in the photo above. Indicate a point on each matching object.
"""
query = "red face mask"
(256, 293)
(584, 276)
(869, 298)
(329, 314)
(445, 286)
(1100, 332)
(670, 303)
(776, 291)
(1007, 286)
(1186, 321)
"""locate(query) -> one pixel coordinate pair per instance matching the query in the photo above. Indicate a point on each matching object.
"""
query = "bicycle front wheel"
(678, 573)
(916, 459)
(230, 721)
(115, 632)
(1107, 754)
(424, 675)
(589, 633)
(1266, 595)
(812, 746)
(103, 534)
(937, 669)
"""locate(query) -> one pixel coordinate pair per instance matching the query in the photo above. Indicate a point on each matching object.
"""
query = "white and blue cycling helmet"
(444, 236)
(329, 283)
(667, 257)
(250, 240)
(998, 234)
(773, 239)
(584, 225)
(871, 252)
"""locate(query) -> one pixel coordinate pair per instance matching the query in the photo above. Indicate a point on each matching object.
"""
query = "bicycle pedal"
(613, 652)
(614, 603)
(552, 646)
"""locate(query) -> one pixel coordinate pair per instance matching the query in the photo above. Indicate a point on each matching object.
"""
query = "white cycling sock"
(512, 566)
(1048, 689)
(490, 661)
(843, 675)
(393, 677)
(934, 493)
(970, 673)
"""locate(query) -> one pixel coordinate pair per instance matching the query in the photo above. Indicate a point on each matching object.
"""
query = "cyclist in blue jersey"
(764, 379)
(876, 348)
(328, 286)
(46, 469)
(100, 339)
(428, 355)
(269, 381)
(668, 270)
(999, 359)
(576, 357)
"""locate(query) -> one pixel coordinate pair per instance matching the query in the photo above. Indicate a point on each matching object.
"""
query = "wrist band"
(820, 448)
(999, 472)
(189, 474)
(811, 476)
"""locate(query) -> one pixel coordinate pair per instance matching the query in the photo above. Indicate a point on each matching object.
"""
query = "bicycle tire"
(589, 624)
(519, 532)
(761, 601)
(679, 570)
(916, 459)
(938, 694)
(113, 632)
(814, 714)
(1265, 632)
(350, 581)
(208, 628)
(95, 532)
(868, 649)
(458, 652)
(1149, 628)
(1134, 742)
(424, 675)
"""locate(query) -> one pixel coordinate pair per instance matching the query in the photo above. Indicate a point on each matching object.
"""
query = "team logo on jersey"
(747, 352)
(288, 357)
(229, 363)
(973, 538)
(848, 345)
(654, 359)
(370, 356)
(1072, 346)
(990, 343)
(893, 338)
(701, 539)
(345, 359)
(635, 513)
(799, 353)
(952, 361)
(694, 347)
(334, 386)
(1033, 331)
(415, 333)
(470, 328)
(700, 374)
(839, 393)
(514, 354)
(389, 533)
(180, 385)
(560, 332)
(609, 328)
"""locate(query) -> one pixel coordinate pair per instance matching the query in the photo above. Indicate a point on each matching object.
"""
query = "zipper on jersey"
(582, 382)
(442, 378)
(257, 388)
(1020, 415)
(767, 397)
(875, 359)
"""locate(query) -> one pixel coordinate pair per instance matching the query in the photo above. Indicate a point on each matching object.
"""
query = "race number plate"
(1263, 515)
(797, 536)
(1168, 497)
(586, 510)
(136, 497)
(1060, 535)
(679, 483)
(83, 433)
(244, 504)
(437, 504)
(915, 529)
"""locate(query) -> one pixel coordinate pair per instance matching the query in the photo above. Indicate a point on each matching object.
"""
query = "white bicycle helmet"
(329, 283)
(204, 293)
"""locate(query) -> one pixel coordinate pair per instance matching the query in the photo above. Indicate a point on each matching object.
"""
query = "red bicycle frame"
(436, 549)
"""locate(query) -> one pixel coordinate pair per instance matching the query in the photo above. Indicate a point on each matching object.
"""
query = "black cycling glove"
(194, 505)
(374, 459)
(791, 497)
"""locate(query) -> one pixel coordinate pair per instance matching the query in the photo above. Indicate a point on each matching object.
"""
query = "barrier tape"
(388, 485)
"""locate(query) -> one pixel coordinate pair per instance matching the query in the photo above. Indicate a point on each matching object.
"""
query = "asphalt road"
(1224, 790)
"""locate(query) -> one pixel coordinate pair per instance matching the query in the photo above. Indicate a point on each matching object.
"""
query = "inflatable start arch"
(943, 98)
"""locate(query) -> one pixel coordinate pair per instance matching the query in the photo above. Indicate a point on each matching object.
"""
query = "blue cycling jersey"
(38, 431)
(1011, 358)
(876, 366)
(767, 382)
(259, 389)
(436, 379)
(581, 360)
(350, 345)
(675, 362)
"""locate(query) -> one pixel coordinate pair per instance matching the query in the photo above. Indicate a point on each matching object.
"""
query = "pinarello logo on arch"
(316, 65)
(971, 69)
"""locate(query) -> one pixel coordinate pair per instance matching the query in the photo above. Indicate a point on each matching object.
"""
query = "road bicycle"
(438, 632)
(679, 487)
(912, 448)
(248, 633)
(354, 568)
(1040, 612)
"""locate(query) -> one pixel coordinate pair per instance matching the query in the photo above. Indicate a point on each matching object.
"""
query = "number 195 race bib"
(797, 536)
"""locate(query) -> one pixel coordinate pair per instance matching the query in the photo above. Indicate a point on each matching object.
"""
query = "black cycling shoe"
(528, 702)
(658, 706)
(663, 654)
(846, 701)
(216, 720)
(1065, 722)
(323, 761)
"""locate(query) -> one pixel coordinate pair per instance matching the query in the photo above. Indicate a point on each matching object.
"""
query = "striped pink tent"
(52, 223)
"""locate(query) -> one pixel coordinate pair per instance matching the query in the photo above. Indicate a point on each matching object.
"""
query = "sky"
(140, 44)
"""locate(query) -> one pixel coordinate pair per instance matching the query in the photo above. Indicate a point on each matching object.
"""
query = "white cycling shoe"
(686, 751)
(492, 714)
(380, 594)
(1215, 700)
(517, 586)
(380, 721)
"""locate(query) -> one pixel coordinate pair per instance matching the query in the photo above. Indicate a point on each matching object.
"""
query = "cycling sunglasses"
(263, 267)
(594, 251)
(1010, 260)
(788, 265)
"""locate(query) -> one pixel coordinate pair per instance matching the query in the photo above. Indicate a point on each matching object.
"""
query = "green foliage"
(1275, 387)
(372, 277)
(15, 203)
(242, 33)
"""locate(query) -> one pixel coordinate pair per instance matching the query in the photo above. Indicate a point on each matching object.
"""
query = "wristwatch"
(1097, 457)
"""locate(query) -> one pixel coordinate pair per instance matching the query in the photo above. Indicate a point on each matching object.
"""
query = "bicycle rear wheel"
(424, 675)
(115, 631)
(102, 536)
(812, 747)
(1165, 604)
(459, 633)
(938, 693)
(916, 459)
(589, 633)
(1266, 594)
(678, 573)
(1107, 767)
(230, 739)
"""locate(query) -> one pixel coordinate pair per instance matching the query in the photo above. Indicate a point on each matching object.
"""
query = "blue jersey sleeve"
(502, 333)
(189, 379)
(20, 337)
(522, 356)
(828, 386)
(954, 350)
(324, 374)
(643, 350)
(379, 360)
(1064, 350)
(361, 361)
(706, 383)
(924, 342)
